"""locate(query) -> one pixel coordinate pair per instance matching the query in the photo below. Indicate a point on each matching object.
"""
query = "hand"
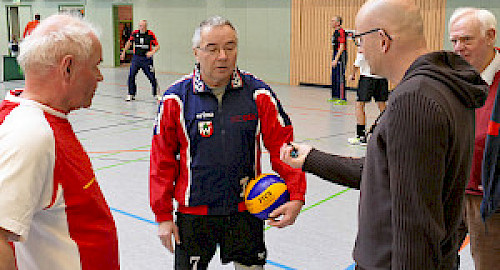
(286, 214)
(122, 56)
(165, 231)
(295, 162)
(149, 54)
(352, 77)
(7, 260)
(334, 63)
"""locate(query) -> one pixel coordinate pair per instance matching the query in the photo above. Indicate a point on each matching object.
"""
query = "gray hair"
(486, 19)
(55, 37)
(209, 23)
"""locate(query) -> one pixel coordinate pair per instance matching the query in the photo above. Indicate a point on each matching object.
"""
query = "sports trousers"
(146, 64)
(338, 77)
(240, 237)
(371, 87)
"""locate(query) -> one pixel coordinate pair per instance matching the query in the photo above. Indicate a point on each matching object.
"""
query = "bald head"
(143, 26)
(391, 32)
(398, 17)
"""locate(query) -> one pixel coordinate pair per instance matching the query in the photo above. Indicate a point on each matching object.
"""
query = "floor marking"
(118, 151)
(351, 267)
(279, 265)
(465, 243)
(133, 216)
(318, 203)
(122, 163)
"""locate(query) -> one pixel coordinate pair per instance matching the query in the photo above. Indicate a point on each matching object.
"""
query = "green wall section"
(491, 5)
(263, 26)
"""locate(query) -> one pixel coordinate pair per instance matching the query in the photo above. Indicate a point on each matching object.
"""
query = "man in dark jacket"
(416, 168)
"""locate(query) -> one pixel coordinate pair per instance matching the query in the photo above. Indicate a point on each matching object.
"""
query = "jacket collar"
(490, 71)
(199, 85)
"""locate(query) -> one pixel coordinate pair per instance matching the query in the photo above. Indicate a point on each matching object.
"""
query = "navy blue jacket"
(491, 166)
(204, 154)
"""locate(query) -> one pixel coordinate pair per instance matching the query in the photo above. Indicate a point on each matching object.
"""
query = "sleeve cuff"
(164, 217)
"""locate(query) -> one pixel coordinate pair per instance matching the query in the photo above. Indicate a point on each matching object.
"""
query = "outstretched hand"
(296, 160)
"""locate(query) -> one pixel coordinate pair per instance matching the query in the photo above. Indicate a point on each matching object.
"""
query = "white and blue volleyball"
(264, 194)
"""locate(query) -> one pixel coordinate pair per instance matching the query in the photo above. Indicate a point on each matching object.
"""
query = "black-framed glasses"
(215, 50)
(357, 38)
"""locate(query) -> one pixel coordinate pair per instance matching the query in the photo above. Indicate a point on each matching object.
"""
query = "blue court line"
(133, 216)
(351, 267)
(154, 223)
(279, 265)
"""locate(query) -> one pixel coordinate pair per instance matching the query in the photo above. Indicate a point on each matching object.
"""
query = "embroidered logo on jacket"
(206, 128)
(203, 115)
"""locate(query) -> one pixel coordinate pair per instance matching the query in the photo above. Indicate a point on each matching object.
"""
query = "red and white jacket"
(49, 195)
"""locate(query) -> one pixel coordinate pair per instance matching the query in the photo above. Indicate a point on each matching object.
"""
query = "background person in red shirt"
(145, 46)
(31, 25)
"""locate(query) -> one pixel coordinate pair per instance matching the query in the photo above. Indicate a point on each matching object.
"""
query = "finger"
(282, 151)
(169, 245)
(276, 213)
(277, 223)
(177, 237)
(286, 154)
(167, 242)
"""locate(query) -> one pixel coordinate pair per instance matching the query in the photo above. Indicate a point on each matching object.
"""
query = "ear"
(491, 36)
(385, 43)
(67, 67)
(195, 53)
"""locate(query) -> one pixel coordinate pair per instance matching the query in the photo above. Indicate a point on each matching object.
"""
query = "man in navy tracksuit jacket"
(205, 149)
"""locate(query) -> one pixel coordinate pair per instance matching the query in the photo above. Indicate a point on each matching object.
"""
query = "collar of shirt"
(14, 96)
(489, 72)
(200, 87)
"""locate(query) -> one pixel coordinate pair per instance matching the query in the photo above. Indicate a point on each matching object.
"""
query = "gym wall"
(284, 41)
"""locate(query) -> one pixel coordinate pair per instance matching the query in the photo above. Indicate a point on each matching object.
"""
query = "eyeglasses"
(465, 40)
(357, 38)
(214, 50)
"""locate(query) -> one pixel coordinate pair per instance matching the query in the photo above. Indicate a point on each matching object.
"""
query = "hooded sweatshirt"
(416, 167)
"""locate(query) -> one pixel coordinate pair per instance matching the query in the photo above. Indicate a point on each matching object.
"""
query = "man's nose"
(459, 46)
(222, 54)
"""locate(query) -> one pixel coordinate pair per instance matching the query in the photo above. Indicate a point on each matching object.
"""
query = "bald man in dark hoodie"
(418, 158)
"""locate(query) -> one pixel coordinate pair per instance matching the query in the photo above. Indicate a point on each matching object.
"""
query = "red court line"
(108, 83)
(311, 109)
(465, 243)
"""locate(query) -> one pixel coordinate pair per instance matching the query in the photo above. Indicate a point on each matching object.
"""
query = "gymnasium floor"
(117, 136)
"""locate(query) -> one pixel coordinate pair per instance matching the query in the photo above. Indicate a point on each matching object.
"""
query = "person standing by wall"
(145, 46)
(339, 61)
(14, 46)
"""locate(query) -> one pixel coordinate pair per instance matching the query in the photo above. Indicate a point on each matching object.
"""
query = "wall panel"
(310, 44)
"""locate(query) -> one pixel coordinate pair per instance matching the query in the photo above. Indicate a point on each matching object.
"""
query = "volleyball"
(264, 194)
